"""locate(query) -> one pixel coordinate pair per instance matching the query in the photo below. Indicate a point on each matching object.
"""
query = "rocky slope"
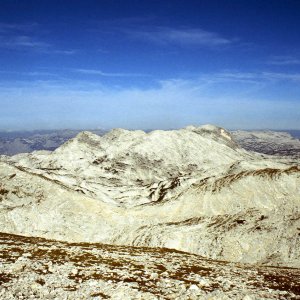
(192, 189)
(34, 268)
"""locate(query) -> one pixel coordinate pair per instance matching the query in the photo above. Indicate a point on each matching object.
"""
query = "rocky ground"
(36, 268)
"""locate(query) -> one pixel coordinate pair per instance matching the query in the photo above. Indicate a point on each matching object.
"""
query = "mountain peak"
(86, 135)
(216, 133)
(119, 133)
(84, 138)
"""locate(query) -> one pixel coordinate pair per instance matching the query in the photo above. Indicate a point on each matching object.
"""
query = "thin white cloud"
(20, 36)
(31, 73)
(284, 61)
(26, 37)
(28, 43)
(22, 41)
(141, 28)
(65, 52)
(236, 76)
(183, 37)
(258, 77)
(282, 76)
(17, 27)
(107, 74)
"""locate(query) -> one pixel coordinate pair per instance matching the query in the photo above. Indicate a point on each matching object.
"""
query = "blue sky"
(149, 64)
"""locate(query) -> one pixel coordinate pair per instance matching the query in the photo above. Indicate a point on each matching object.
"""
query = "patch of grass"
(4, 278)
(40, 281)
(282, 282)
(100, 294)
(70, 288)
(3, 191)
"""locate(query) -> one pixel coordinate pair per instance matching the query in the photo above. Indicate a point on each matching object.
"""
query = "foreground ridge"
(44, 269)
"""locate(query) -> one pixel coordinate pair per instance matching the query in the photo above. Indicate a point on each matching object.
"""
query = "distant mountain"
(12, 143)
(293, 133)
(193, 189)
(269, 142)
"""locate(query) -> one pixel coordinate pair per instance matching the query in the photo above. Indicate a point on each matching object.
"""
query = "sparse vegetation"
(100, 270)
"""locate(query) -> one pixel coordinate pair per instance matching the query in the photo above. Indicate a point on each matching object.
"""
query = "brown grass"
(220, 183)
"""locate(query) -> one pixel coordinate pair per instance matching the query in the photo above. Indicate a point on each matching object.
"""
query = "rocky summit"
(193, 190)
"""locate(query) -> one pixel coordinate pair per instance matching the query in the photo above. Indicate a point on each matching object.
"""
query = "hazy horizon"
(143, 129)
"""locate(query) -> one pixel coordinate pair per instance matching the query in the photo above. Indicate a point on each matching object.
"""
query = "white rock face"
(192, 189)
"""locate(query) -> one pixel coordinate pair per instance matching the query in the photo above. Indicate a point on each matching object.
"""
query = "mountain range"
(194, 190)
(281, 143)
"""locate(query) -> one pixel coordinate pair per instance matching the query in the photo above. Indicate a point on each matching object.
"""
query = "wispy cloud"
(235, 76)
(282, 76)
(258, 77)
(17, 27)
(143, 29)
(26, 37)
(182, 37)
(20, 36)
(284, 60)
(65, 52)
(31, 73)
(107, 74)
(21, 42)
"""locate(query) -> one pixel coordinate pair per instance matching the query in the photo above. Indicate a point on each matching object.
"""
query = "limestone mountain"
(192, 189)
